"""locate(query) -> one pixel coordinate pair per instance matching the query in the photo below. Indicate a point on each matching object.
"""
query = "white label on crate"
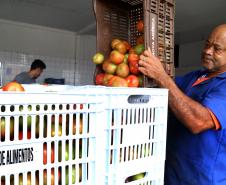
(19, 158)
(135, 134)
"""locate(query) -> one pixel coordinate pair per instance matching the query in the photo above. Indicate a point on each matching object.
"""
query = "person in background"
(29, 77)
(196, 134)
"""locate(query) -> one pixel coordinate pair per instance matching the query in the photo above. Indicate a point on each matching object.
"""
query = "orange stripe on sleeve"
(215, 120)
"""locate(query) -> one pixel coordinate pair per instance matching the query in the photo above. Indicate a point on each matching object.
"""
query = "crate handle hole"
(135, 177)
(136, 99)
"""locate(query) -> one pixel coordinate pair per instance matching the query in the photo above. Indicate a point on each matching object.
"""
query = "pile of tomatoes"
(120, 67)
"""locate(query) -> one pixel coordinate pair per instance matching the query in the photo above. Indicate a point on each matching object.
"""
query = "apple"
(13, 86)
(116, 57)
(122, 70)
(98, 58)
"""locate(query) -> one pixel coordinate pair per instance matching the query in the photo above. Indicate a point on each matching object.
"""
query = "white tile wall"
(78, 71)
(84, 68)
(13, 63)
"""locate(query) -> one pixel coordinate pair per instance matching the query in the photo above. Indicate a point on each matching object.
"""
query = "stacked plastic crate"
(118, 19)
(85, 135)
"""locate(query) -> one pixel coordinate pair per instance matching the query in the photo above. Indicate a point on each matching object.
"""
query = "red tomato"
(45, 154)
(131, 50)
(99, 79)
(13, 86)
(21, 135)
(132, 81)
(106, 79)
(52, 177)
(127, 44)
(110, 81)
(133, 57)
(140, 39)
(140, 26)
(133, 67)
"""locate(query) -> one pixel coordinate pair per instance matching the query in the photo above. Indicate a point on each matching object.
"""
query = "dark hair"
(38, 64)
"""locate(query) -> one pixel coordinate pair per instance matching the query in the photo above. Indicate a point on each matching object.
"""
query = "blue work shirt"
(198, 159)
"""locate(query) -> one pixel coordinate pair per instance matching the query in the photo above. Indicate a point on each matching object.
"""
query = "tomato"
(98, 58)
(140, 26)
(127, 44)
(13, 86)
(139, 48)
(140, 78)
(106, 79)
(114, 42)
(119, 82)
(133, 57)
(122, 70)
(133, 67)
(121, 47)
(99, 79)
(132, 81)
(111, 81)
(80, 127)
(21, 135)
(52, 177)
(45, 154)
(140, 39)
(132, 50)
(116, 57)
(109, 67)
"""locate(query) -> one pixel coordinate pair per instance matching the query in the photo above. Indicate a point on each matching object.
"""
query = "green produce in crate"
(139, 48)
(98, 58)
(135, 177)
(3, 127)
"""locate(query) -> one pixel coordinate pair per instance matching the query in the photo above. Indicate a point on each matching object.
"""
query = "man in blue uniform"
(196, 137)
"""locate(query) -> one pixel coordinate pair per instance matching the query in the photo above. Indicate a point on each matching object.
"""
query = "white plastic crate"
(85, 135)
(49, 138)
(136, 136)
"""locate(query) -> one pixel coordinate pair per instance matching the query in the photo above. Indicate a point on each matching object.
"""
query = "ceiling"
(193, 17)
